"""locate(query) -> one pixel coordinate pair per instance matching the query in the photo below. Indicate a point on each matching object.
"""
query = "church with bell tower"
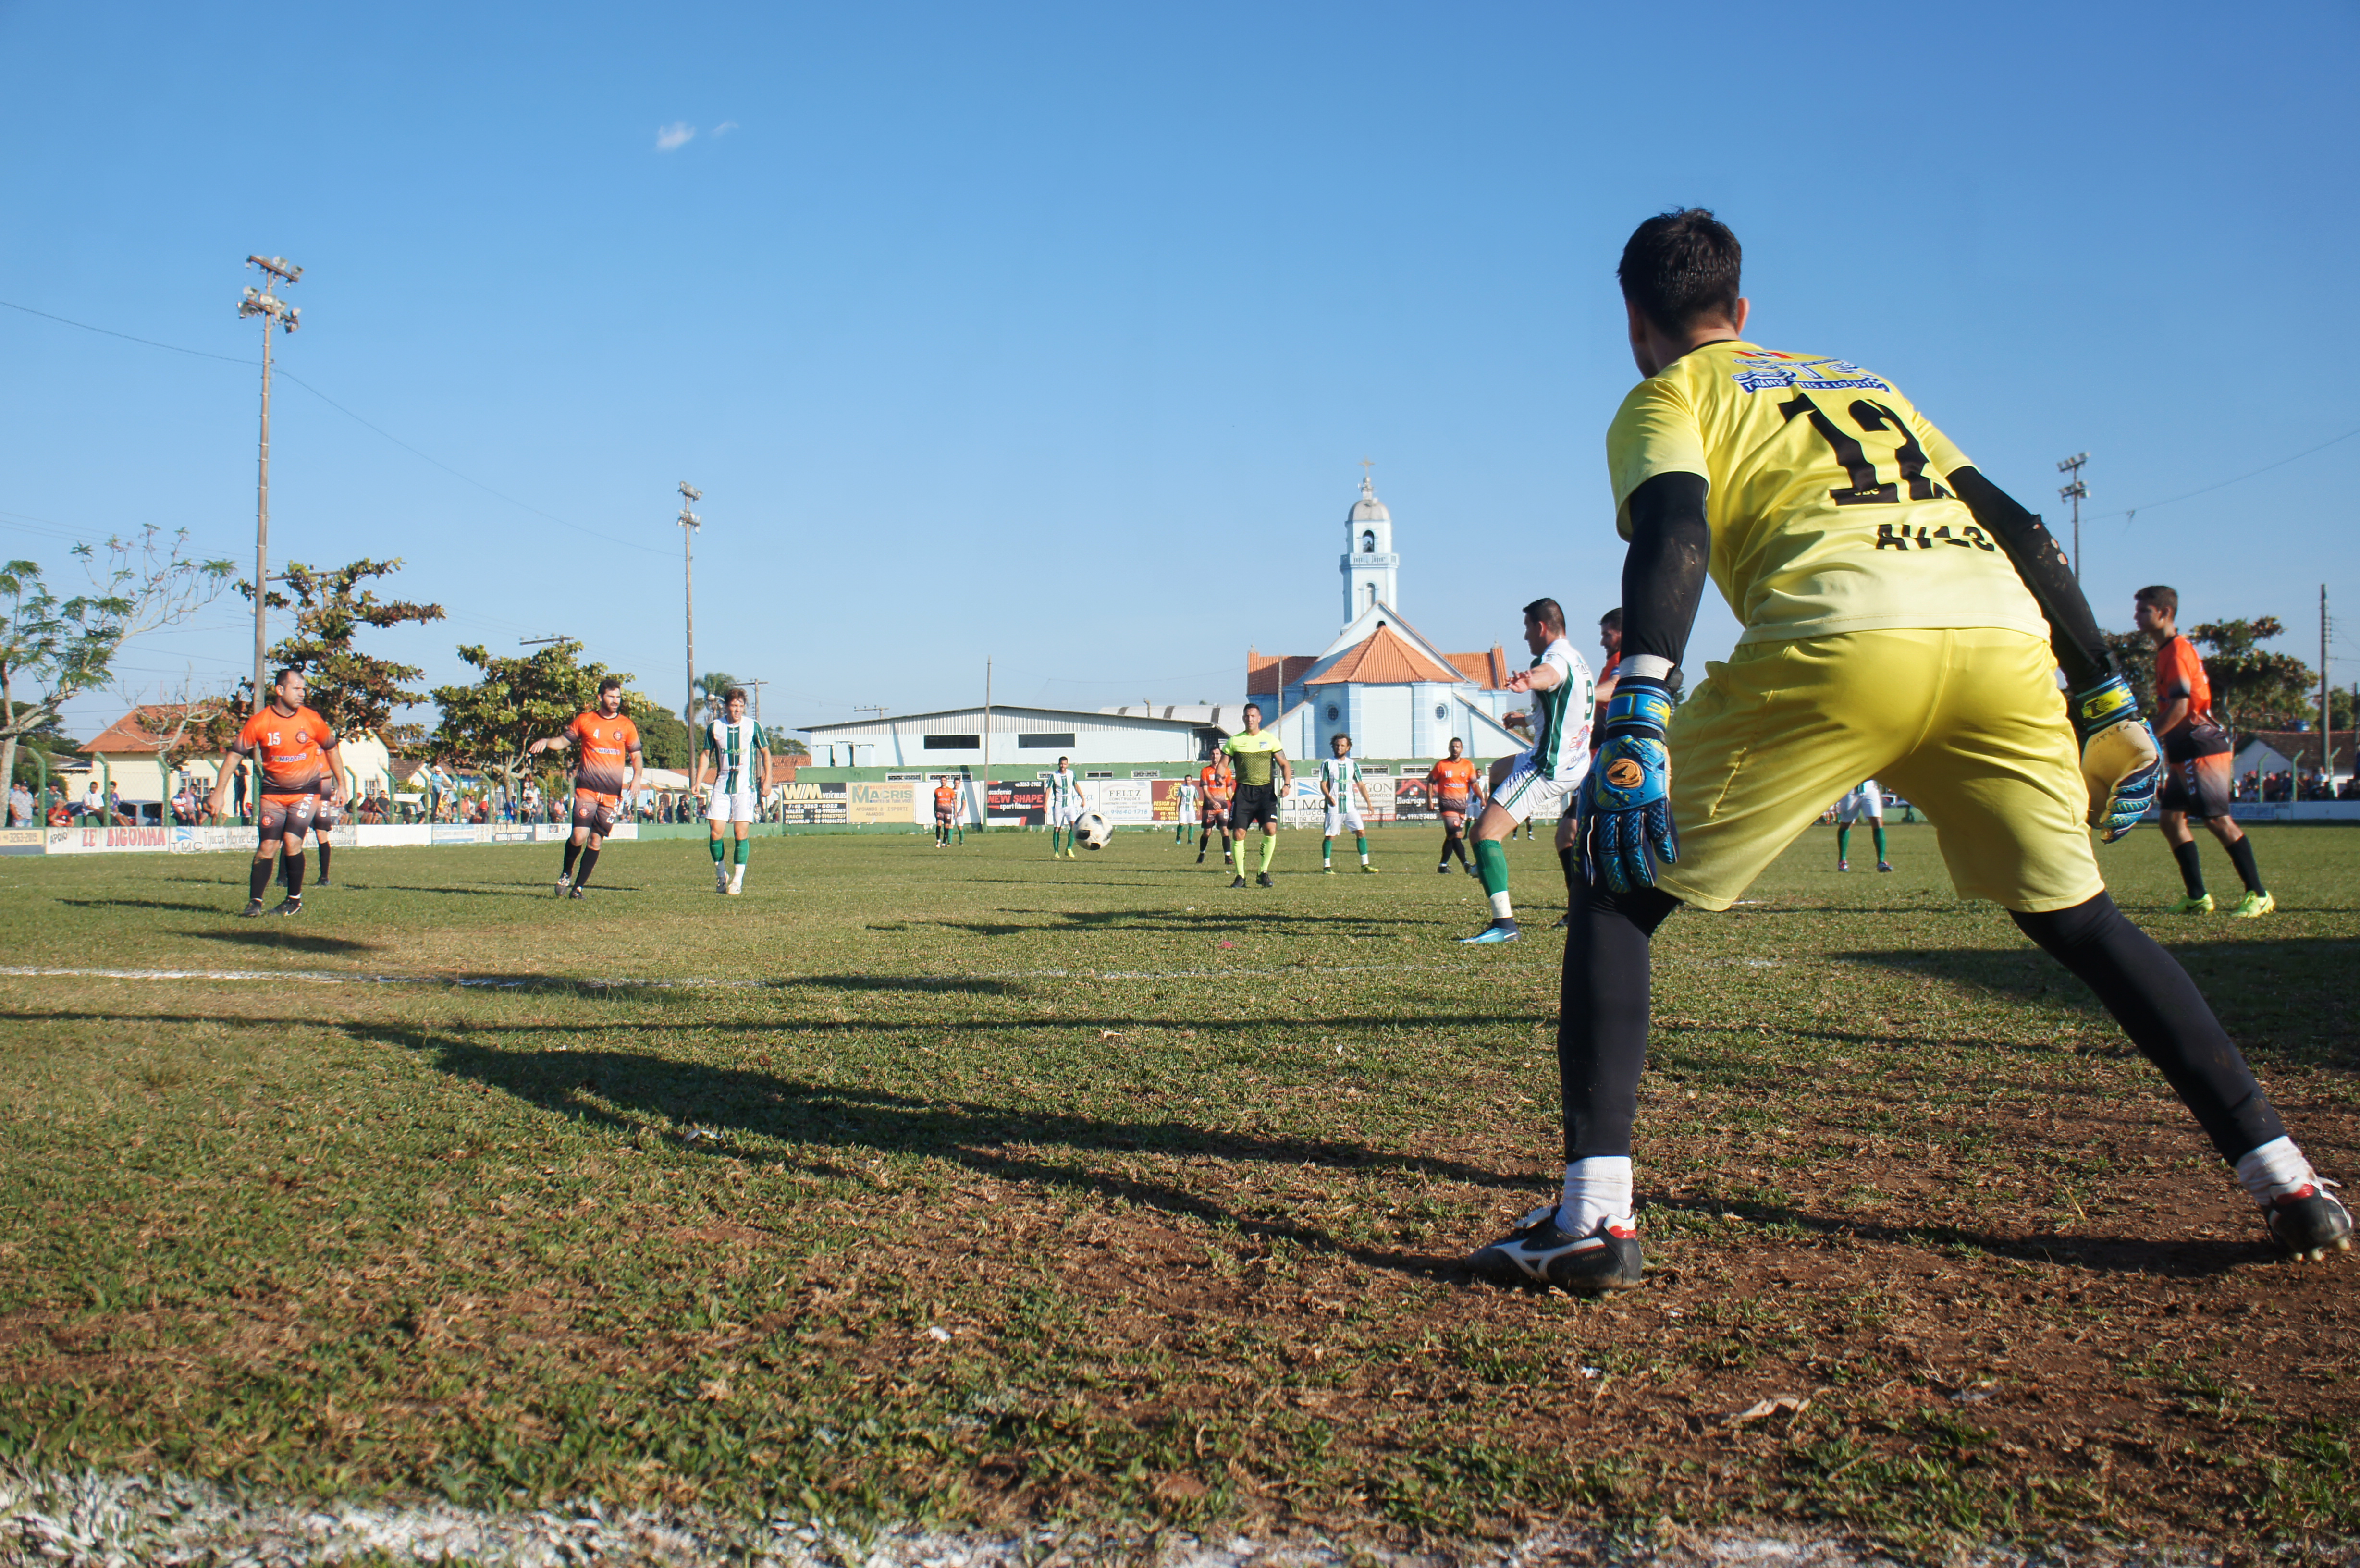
(1397, 694)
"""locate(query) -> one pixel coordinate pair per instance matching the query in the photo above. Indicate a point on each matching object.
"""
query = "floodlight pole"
(274, 312)
(2326, 711)
(2076, 492)
(689, 523)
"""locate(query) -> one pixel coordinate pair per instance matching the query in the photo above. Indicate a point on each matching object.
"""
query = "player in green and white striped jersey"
(735, 761)
(1543, 776)
(1066, 808)
(1339, 777)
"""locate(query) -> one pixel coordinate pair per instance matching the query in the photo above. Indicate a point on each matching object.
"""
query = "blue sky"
(1055, 334)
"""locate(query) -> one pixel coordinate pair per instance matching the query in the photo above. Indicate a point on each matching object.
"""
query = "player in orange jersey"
(1457, 786)
(1215, 787)
(301, 763)
(946, 811)
(607, 741)
(2196, 752)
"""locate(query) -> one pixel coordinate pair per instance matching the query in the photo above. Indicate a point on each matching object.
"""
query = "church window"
(1331, 713)
(1368, 542)
(1441, 710)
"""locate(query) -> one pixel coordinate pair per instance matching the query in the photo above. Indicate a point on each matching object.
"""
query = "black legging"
(1601, 1037)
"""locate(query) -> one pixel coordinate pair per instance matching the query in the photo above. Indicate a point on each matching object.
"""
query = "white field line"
(55, 1517)
(709, 983)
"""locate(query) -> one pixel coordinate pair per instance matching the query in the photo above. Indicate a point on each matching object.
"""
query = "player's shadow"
(146, 904)
(1204, 922)
(492, 890)
(786, 1118)
(2183, 1257)
(277, 936)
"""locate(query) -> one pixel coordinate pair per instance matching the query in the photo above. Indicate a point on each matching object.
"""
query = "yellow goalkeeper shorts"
(1967, 725)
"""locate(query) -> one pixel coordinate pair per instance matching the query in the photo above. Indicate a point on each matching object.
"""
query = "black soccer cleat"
(1443, 869)
(575, 893)
(1538, 1253)
(2308, 1223)
(1469, 868)
(564, 884)
(253, 910)
(1237, 881)
(1264, 880)
(1564, 922)
(291, 907)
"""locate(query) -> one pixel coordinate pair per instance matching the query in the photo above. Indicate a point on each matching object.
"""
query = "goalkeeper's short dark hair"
(1680, 266)
(1611, 621)
(2162, 598)
(1548, 612)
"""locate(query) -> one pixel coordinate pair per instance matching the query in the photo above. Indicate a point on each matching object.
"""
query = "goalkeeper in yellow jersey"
(1904, 620)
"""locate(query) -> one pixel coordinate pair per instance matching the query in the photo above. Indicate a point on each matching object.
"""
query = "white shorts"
(1343, 817)
(740, 807)
(1067, 816)
(1868, 800)
(1523, 794)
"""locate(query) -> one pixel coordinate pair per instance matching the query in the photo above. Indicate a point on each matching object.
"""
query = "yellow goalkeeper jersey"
(1825, 496)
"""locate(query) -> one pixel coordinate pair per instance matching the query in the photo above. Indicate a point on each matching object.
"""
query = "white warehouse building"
(1022, 738)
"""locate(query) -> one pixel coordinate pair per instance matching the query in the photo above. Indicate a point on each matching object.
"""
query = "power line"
(2240, 479)
(364, 424)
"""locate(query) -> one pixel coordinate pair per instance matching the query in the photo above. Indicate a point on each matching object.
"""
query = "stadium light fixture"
(2075, 492)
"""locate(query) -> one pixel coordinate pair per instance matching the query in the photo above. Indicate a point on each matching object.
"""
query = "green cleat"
(1367, 869)
(2201, 904)
(2252, 906)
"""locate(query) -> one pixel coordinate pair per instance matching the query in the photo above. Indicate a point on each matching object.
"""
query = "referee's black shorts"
(1255, 803)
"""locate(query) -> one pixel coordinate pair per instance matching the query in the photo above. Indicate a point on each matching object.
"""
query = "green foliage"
(2134, 658)
(2254, 688)
(663, 736)
(516, 702)
(355, 692)
(61, 649)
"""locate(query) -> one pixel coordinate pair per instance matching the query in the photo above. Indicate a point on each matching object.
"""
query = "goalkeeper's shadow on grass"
(605, 1087)
(277, 937)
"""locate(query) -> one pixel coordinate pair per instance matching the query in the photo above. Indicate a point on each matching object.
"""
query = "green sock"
(1269, 848)
(1843, 841)
(714, 845)
(1362, 841)
(1878, 829)
(1326, 846)
(1491, 864)
(744, 846)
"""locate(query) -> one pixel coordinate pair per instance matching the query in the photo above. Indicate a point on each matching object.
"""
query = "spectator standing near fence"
(20, 806)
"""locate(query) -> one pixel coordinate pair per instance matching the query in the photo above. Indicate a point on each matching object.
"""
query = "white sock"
(2273, 1169)
(1501, 910)
(1597, 1189)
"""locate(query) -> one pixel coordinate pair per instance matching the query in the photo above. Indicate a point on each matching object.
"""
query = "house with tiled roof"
(1381, 680)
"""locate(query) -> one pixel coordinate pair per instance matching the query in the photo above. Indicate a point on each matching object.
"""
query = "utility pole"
(2077, 492)
(689, 523)
(274, 312)
(757, 686)
(2326, 712)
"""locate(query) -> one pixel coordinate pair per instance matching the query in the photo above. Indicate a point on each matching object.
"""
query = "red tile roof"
(125, 733)
(1489, 671)
(1268, 674)
(1385, 658)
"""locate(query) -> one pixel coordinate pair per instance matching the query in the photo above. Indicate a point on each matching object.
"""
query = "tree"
(664, 741)
(355, 692)
(788, 745)
(2254, 688)
(715, 684)
(2135, 657)
(63, 648)
(192, 725)
(516, 702)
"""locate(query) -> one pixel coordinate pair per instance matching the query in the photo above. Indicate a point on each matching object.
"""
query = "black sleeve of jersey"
(1664, 574)
(2074, 635)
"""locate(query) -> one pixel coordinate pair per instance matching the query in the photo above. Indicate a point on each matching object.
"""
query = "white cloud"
(674, 136)
(725, 127)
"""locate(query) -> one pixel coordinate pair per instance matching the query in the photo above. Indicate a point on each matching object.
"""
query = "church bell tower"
(1370, 565)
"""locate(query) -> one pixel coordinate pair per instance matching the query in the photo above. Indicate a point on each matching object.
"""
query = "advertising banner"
(813, 805)
(23, 840)
(457, 833)
(82, 841)
(1125, 802)
(1413, 800)
(881, 803)
(1015, 805)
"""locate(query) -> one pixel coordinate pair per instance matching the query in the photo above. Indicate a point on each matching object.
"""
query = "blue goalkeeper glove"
(1627, 801)
(2120, 762)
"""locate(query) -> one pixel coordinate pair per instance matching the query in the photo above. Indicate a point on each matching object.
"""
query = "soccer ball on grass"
(1092, 830)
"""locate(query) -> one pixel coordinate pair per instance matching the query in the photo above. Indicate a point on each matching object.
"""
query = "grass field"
(969, 1187)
